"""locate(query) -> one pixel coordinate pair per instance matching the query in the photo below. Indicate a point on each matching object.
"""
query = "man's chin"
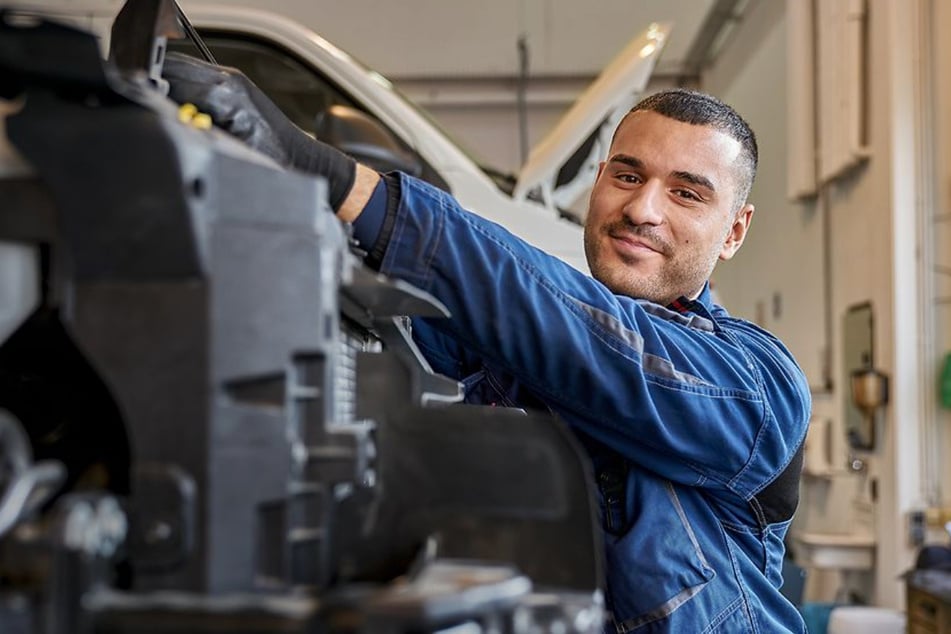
(629, 288)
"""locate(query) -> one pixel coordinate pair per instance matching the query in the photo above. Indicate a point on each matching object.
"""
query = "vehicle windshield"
(503, 180)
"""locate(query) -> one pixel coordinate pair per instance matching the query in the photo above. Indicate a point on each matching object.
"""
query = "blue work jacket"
(694, 420)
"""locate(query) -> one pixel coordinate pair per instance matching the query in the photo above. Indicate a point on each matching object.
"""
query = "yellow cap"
(186, 112)
(202, 121)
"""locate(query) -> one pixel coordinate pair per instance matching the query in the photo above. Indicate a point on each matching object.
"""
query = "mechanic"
(694, 420)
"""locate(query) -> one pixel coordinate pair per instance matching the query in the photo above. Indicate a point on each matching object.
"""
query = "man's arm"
(693, 403)
(364, 183)
(693, 400)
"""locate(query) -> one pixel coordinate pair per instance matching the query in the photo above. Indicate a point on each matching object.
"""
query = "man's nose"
(645, 204)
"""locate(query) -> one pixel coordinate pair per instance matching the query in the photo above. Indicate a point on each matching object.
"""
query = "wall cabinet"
(928, 599)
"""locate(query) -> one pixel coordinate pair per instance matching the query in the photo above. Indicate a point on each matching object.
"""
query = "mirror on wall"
(858, 359)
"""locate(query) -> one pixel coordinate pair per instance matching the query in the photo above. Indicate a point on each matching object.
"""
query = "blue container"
(816, 616)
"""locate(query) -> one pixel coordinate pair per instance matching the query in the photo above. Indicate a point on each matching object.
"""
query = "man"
(694, 420)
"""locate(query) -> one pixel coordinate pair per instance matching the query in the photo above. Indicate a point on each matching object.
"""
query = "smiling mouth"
(632, 245)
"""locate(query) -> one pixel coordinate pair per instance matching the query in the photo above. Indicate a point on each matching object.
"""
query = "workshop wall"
(779, 278)
(423, 38)
(787, 295)
(938, 442)
(881, 222)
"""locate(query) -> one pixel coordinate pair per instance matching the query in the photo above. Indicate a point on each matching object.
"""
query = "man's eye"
(629, 178)
(686, 194)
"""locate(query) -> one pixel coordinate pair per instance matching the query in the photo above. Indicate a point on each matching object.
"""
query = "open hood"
(562, 167)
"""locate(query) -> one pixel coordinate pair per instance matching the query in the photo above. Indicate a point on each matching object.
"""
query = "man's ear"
(737, 233)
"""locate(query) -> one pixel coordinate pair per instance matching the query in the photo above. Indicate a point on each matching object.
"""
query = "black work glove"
(240, 108)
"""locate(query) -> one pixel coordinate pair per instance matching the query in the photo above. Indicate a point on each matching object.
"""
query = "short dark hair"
(698, 108)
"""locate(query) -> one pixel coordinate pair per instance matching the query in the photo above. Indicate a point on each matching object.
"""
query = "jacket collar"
(685, 305)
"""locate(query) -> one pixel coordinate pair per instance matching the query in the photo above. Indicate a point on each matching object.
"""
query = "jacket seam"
(744, 591)
(663, 611)
(678, 507)
(677, 601)
(724, 614)
(765, 424)
(493, 382)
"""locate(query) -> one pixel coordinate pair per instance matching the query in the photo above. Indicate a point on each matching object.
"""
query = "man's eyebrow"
(695, 179)
(627, 159)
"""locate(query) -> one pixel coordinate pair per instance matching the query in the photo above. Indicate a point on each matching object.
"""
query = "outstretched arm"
(686, 397)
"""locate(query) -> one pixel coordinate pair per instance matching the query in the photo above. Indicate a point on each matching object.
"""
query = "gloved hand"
(239, 107)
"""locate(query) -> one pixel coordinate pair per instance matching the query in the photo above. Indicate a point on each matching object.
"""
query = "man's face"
(663, 208)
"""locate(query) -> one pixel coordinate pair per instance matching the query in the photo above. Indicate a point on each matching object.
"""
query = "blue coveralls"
(694, 420)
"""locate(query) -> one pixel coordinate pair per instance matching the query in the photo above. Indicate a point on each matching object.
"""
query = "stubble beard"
(673, 278)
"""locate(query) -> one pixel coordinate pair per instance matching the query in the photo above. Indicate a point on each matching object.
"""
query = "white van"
(326, 91)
